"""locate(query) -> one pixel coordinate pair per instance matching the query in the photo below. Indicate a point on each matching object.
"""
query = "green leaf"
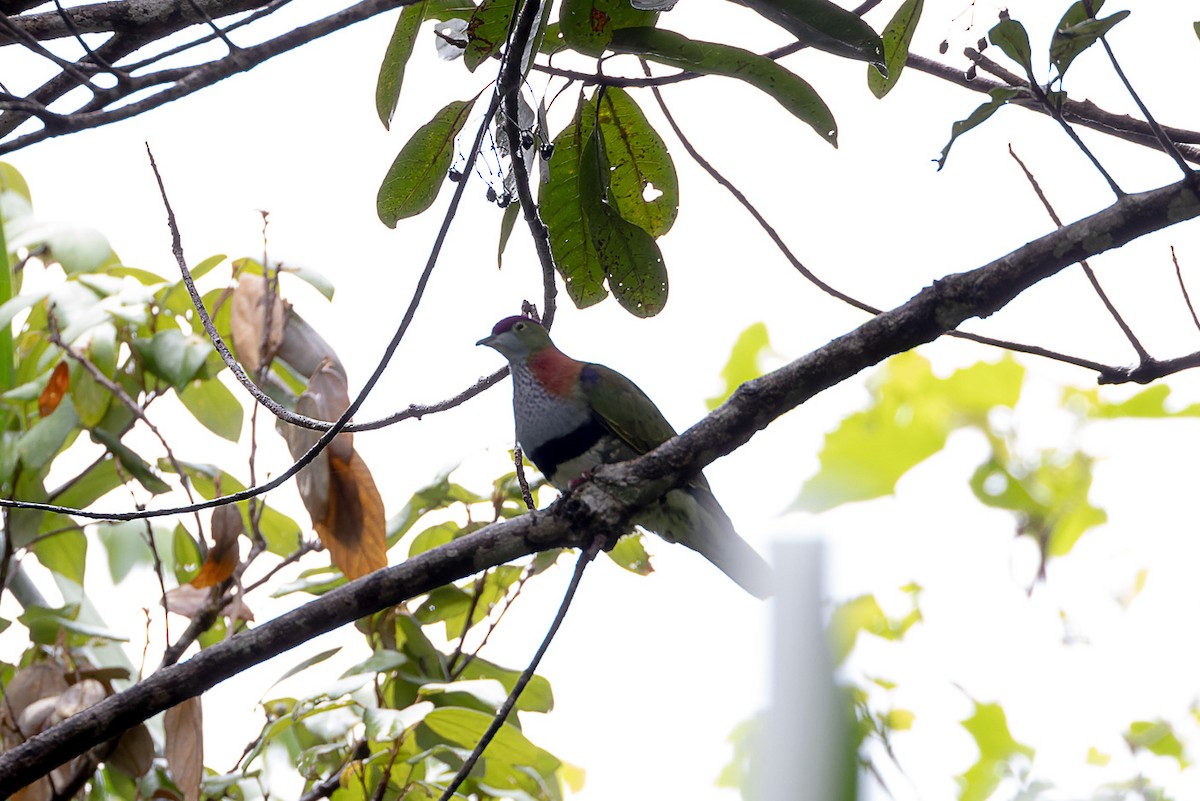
(136, 466)
(45, 624)
(185, 554)
(897, 37)
(1196, 28)
(537, 695)
(989, 727)
(172, 355)
(1000, 96)
(395, 58)
(125, 545)
(1157, 737)
(41, 443)
(825, 26)
(205, 267)
(217, 409)
(639, 165)
(791, 91)
(562, 208)
(745, 362)
(630, 553)
(85, 489)
(588, 26)
(509, 749)
(863, 614)
(64, 552)
(1011, 37)
(1077, 31)
(506, 229)
(910, 416)
(630, 257)
(415, 177)
(487, 30)
(433, 537)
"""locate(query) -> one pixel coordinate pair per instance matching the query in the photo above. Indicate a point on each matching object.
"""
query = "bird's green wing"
(620, 406)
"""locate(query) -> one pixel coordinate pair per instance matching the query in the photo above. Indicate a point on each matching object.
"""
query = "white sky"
(650, 676)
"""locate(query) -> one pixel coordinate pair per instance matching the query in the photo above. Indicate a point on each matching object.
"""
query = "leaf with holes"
(415, 177)
(643, 185)
(897, 37)
(486, 31)
(588, 25)
(630, 257)
(562, 208)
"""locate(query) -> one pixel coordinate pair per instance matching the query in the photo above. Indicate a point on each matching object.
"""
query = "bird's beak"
(485, 341)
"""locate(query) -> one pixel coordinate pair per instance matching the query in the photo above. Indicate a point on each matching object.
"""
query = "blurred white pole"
(806, 746)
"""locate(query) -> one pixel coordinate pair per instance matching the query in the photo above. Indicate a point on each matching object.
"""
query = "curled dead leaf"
(248, 321)
(184, 749)
(223, 556)
(56, 387)
(189, 601)
(134, 753)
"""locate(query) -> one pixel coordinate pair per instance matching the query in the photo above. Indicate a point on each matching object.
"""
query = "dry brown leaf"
(184, 749)
(188, 601)
(39, 681)
(56, 387)
(223, 556)
(329, 397)
(354, 529)
(248, 318)
(134, 754)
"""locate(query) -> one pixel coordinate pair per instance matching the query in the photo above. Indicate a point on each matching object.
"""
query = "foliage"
(91, 354)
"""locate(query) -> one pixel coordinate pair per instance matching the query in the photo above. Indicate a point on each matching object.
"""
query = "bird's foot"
(581, 478)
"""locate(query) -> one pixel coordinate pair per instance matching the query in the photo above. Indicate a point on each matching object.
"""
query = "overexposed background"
(651, 675)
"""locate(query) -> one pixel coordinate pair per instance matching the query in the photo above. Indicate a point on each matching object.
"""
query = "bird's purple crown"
(509, 322)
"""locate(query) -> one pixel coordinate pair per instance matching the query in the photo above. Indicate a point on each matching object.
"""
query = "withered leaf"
(248, 321)
(227, 527)
(52, 395)
(184, 749)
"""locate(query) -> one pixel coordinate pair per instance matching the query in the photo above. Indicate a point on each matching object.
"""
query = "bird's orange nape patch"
(555, 370)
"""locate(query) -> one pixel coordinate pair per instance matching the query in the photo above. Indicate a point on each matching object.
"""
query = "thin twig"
(1142, 353)
(1183, 288)
(586, 555)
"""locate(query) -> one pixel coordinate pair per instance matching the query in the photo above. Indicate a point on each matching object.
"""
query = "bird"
(573, 416)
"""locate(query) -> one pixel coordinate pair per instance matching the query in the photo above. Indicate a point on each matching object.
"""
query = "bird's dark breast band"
(552, 453)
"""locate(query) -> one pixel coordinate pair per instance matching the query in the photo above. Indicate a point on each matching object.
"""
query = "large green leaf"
(1150, 402)
(825, 26)
(214, 406)
(1000, 96)
(509, 755)
(588, 25)
(792, 91)
(639, 165)
(910, 416)
(487, 30)
(41, 443)
(561, 205)
(133, 463)
(172, 355)
(897, 37)
(536, 697)
(630, 257)
(1077, 31)
(64, 552)
(395, 59)
(415, 177)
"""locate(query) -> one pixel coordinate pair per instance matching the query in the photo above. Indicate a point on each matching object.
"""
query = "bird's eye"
(519, 327)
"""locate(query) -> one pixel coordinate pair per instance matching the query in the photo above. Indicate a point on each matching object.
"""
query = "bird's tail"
(714, 538)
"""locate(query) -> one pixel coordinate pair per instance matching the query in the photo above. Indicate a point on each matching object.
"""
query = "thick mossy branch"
(606, 503)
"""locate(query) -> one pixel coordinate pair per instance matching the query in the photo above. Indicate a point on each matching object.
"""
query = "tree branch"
(607, 502)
